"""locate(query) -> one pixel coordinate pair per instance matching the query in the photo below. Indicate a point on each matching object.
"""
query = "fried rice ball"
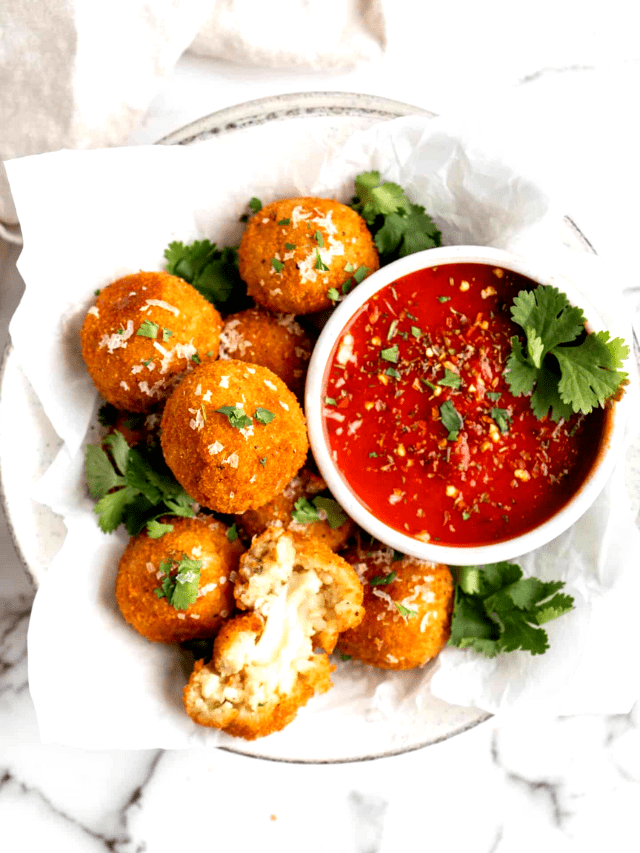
(143, 568)
(279, 512)
(144, 331)
(408, 604)
(275, 341)
(233, 435)
(299, 595)
(294, 250)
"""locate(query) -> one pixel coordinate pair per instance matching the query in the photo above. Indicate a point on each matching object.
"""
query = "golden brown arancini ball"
(407, 609)
(143, 568)
(142, 334)
(279, 512)
(294, 250)
(275, 341)
(241, 457)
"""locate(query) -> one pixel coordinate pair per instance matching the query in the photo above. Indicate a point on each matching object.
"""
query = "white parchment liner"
(91, 217)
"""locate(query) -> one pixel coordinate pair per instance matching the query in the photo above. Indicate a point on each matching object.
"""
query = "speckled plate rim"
(252, 114)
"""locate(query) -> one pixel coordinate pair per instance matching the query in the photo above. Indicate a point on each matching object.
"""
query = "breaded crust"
(287, 245)
(278, 513)
(275, 341)
(143, 332)
(202, 538)
(407, 620)
(224, 467)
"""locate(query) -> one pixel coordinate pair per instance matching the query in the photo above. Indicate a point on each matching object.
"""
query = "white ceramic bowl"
(314, 395)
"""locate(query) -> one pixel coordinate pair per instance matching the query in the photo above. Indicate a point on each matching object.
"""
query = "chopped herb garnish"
(232, 532)
(450, 379)
(263, 416)
(391, 354)
(390, 371)
(361, 273)
(333, 294)
(195, 358)
(290, 246)
(502, 419)
(494, 395)
(416, 332)
(263, 461)
(329, 401)
(306, 512)
(383, 580)
(96, 292)
(148, 329)
(427, 383)
(373, 455)
(255, 204)
(319, 239)
(348, 267)
(443, 298)
(277, 265)
(286, 221)
(237, 418)
(451, 419)
(180, 583)
(497, 610)
(212, 271)
(404, 611)
(320, 264)
(166, 334)
(393, 328)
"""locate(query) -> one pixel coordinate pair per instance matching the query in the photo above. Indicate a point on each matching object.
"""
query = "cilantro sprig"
(399, 227)
(212, 271)
(133, 487)
(180, 582)
(564, 369)
(318, 509)
(497, 610)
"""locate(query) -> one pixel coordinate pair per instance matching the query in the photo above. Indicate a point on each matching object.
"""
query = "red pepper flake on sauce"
(430, 437)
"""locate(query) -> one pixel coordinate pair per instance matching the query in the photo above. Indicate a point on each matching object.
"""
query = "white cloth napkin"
(82, 74)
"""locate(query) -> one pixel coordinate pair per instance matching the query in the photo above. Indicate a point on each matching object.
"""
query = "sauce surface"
(421, 421)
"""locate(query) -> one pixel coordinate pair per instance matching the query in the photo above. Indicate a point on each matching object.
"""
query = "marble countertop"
(511, 784)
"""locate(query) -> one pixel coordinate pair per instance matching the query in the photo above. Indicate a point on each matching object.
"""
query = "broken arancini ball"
(407, 603)
(298, 595)
(275, 341)
(233, 435)
(294, 251)
(324, 520)
(178, 587)
(143, 332)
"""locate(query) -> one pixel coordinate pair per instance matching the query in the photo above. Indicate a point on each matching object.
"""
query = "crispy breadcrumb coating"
(294, 250)
(278, 513)
(240, 459)
(298, 595)
(202, 538)
(408, 604)
(275, 341)
(143, 332)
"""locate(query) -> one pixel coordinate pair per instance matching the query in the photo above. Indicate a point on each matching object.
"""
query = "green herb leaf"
(110, 509)
(181, 582)
(319, 239)
(286, 221)
(450, 379)
(404, 611)
(255, 204)
(502, 419)
(329, 401)
(212, 271)
(588, 370)
(236, 416)
(451, 419)
(391, 354)
(166, 334)
(444, 298)
(157, 529)
(263, 416)
(333, 294)
(232, 533)
(335, 515)
(304, 512)
(100, 474)
(497, 610)
(148, 329)
(383, 580)
(391, 371)
(360, 274)
(119, 449)
(277, 265)
(320, 264)
(290, 246)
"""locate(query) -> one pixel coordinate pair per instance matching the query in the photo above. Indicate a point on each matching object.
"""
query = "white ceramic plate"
(38, 533)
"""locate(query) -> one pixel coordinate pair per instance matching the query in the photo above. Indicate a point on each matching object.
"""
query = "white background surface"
(510, 785)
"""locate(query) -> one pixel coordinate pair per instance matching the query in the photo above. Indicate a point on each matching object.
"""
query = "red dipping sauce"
(421, 421)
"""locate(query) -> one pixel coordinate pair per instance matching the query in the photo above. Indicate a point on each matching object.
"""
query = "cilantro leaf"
(450, 379)
(119, 448)
(232, 532)
(304, 512)
(236, 416)
(374, 198)
(335, 515)
(451, 419)
(99, 472)
(148, 329)
(263, 416)
(156, 529)
(212, 271)
(405, 611)
(564, 369)
(181, 582)
(383, 580)
(110, 508)
(496, 610)
(502, 419)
